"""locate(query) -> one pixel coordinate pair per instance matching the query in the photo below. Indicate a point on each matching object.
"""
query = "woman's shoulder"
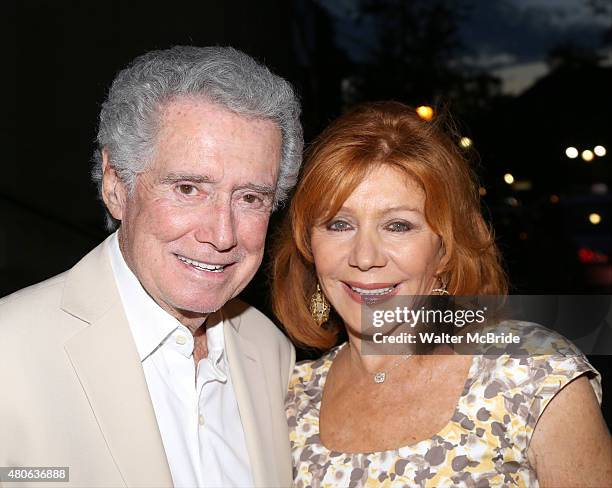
(511, 388)
(529, 340)
(310, 373)
(542, 363)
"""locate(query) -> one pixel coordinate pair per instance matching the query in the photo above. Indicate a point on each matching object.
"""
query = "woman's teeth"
(375, 291)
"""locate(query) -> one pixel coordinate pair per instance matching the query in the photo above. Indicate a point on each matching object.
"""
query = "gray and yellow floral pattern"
(483, 445)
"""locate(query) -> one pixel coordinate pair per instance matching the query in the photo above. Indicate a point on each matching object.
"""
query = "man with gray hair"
(138, 367)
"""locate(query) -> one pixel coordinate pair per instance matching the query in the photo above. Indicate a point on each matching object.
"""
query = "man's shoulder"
(38, 310)
(253, 324)
(43, 294)
(46, 291)
(34, 313)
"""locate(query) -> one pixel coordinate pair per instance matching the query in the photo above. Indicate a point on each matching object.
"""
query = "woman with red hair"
(387, 207)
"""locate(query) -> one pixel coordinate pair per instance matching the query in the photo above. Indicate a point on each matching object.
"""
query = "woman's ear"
(443, 257)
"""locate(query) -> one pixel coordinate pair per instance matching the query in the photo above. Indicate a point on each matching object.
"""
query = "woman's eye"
(399, 227)
(338, 226)
(187, 189)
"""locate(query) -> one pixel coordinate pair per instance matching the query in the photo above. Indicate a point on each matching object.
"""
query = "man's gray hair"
(130, 116)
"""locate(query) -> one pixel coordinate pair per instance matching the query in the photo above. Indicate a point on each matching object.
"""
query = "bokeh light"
(594, 218)
(522, 185)
(508, 178)
(599, 188)
(425, 112)
(571, 152)
(465, 142)
(587, 155)
(513, 202)
(599, 151)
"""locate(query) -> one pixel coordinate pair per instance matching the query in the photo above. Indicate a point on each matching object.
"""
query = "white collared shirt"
(195, 408)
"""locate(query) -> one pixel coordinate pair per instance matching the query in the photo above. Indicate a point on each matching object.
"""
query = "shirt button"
(201, 419)
(181, 340)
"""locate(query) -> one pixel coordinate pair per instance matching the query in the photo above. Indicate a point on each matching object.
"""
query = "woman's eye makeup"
(338, 225)
(400, 226)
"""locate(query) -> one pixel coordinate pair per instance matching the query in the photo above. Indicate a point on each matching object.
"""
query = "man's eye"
(252, 199)
(399, 227)
(338, 226)
(187, 189)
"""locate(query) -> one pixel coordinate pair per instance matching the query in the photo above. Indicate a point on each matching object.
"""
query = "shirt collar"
(150, 324)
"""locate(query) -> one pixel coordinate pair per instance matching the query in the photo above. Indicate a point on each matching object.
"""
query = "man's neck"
(200, 344)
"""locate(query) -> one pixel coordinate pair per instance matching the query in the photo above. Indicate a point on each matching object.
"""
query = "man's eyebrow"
(199, 178)
(265, 189)
(193, 177)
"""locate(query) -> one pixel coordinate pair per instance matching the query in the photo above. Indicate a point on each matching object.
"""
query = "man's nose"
(367, 251)
(216, 226)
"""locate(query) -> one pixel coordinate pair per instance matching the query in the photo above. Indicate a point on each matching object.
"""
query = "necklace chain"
(381, 376)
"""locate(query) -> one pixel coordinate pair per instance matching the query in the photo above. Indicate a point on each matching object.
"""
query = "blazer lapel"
(253, 400)
(106, 362)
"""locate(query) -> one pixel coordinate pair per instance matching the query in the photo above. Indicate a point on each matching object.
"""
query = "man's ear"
(114, 192)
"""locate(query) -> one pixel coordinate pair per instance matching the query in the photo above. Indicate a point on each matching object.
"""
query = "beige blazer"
(74, 392)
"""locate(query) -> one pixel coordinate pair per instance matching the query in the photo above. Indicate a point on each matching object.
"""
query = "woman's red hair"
(374, 134)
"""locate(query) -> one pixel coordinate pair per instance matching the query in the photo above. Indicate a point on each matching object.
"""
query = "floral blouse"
(483, 445)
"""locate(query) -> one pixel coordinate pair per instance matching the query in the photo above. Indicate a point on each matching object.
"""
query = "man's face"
(193, 231)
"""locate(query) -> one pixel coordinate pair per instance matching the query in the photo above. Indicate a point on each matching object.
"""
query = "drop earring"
(441, 290)
(319, 307)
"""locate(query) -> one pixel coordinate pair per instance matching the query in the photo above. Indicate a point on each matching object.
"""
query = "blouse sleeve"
(550, 373)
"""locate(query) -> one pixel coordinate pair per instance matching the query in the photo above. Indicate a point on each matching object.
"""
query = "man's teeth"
(376, 291)
(215, 268)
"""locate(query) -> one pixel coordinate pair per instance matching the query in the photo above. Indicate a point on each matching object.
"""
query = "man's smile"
(211, 267)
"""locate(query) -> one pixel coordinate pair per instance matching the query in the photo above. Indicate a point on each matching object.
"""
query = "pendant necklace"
(381, 376)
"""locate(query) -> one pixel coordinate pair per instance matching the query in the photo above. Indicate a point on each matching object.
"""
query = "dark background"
(524, 79)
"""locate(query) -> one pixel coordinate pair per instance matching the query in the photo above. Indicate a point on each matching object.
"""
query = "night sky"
(508, 38)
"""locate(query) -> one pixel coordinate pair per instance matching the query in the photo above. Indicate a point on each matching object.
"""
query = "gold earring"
(319, 307)
(441, 290)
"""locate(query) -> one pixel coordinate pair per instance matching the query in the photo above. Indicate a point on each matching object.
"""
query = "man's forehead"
(206, 112)
(194, 124)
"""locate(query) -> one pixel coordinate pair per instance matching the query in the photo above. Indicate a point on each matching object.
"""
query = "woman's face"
(378, 245)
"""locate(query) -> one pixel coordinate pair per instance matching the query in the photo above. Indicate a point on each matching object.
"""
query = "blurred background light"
(466, 142)
(554, 198)
(522, 185)
(482, 191)
(599, 151)
(571, 152)
(587, 155)
(594, 218)
(508, 178)
(588, 256)
(425, 112)
(513, 202)
(599, 188)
